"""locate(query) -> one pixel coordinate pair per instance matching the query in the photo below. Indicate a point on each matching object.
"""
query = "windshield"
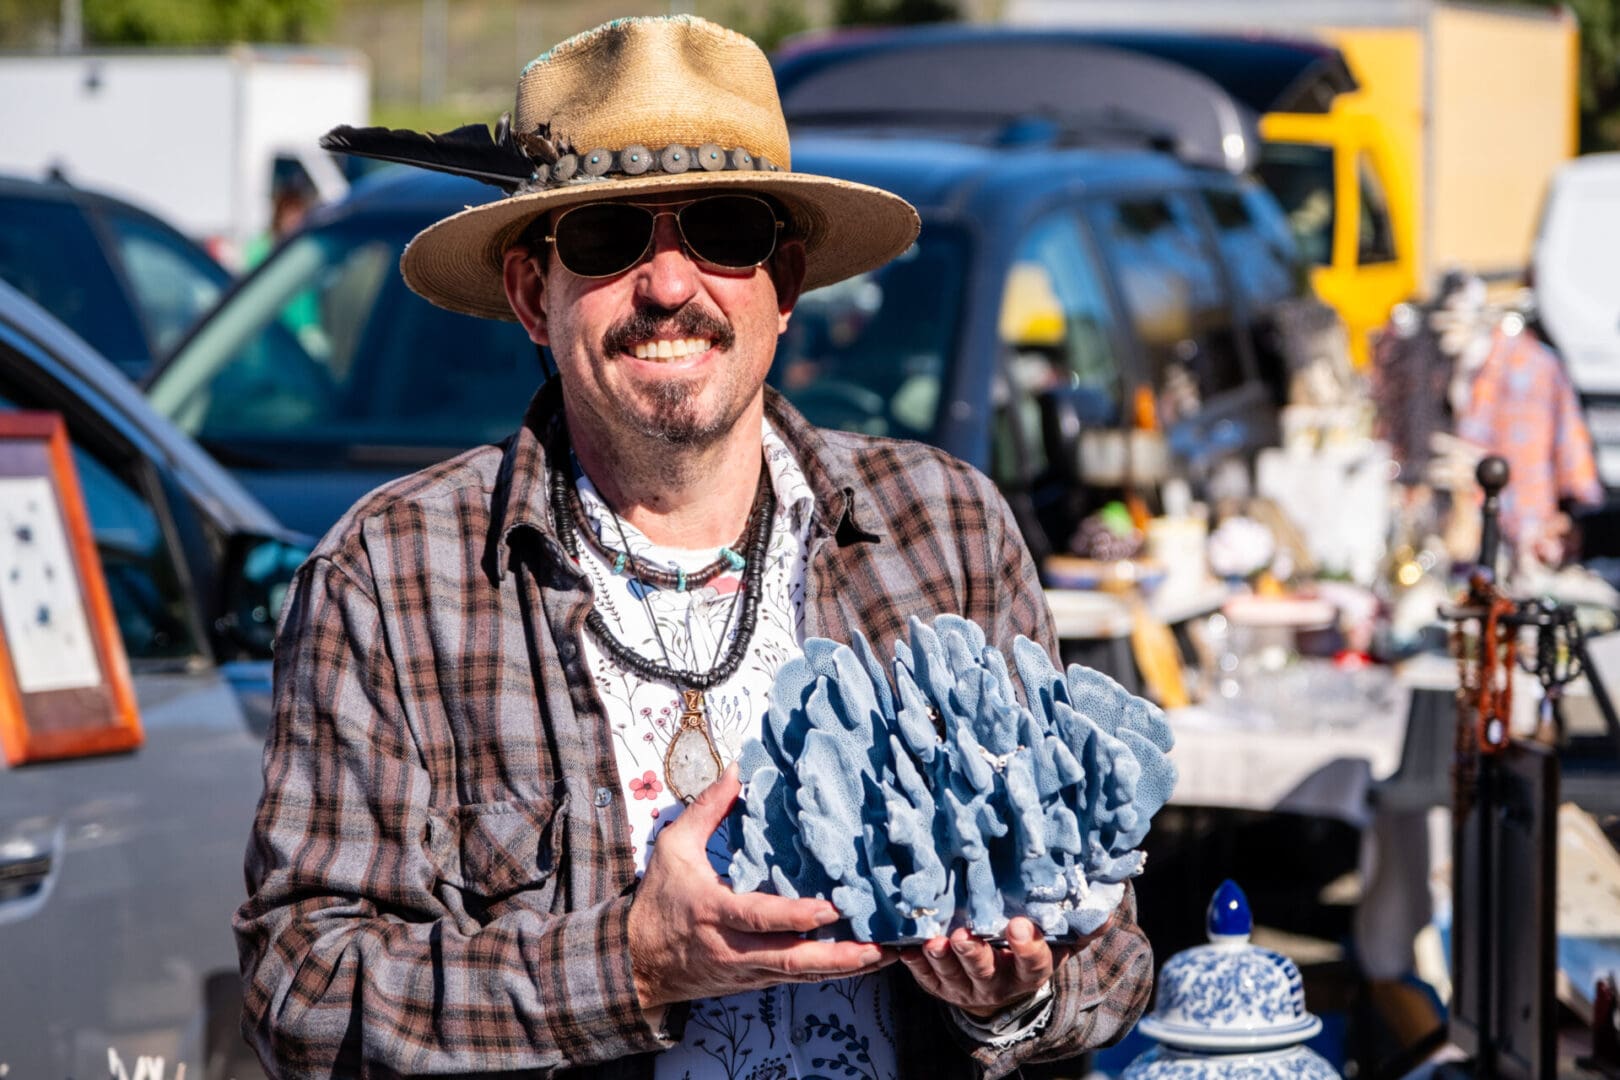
(325, 350)
(1300, 175)
(871, 354)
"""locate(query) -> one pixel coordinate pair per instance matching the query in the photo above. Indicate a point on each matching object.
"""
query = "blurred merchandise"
(1177, 542)
(1411, 378)
(1338, 496)
(196, 137)
(1458, 378)
(1240, 547)
(1293, 561)
(1390, 135)
(1519, 404)
(1107, 534)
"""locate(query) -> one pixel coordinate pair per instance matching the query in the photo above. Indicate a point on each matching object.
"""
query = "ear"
(787, 272)
(525, 290)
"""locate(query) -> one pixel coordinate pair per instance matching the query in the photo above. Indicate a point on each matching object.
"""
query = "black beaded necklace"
(692, 761)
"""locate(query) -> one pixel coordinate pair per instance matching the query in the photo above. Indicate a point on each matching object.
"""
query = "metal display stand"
(1505, 794)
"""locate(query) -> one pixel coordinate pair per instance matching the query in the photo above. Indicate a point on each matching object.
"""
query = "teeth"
(671, 348)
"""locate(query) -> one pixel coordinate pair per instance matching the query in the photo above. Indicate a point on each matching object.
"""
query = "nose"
(667, 276)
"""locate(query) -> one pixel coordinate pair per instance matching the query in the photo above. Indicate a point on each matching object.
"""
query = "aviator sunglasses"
(601, 240)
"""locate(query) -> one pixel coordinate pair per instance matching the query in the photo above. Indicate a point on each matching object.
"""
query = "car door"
(1057, 330)
(119, 873)
(1187, 323)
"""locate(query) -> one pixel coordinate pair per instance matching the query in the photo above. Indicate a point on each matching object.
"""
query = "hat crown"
(654, 81)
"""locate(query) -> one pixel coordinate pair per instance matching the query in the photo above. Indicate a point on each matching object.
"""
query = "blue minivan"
(1061, 288)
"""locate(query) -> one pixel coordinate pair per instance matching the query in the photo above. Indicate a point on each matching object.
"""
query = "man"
(499, 681)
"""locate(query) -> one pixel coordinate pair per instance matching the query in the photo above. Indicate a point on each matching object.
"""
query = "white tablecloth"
(1302, 768)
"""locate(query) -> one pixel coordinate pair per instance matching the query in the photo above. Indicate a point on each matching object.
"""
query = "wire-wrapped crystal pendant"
(691, 763)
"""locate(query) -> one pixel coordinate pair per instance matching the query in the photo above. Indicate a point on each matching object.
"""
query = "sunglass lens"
(602, 239)
(734, 231)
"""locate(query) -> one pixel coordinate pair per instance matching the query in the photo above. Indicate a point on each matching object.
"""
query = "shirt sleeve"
(353, 962)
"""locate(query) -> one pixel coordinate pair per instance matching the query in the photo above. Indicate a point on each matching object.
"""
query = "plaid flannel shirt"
(439, 875)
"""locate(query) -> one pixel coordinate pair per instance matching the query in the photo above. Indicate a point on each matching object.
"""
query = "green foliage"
(1599, 21)
(24, 22)
(203, 22)
(768, 23)
(893, 12)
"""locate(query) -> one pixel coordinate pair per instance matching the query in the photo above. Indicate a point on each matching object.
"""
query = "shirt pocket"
(491, 851)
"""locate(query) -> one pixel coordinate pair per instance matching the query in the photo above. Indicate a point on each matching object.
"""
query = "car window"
(325, 346)
(1175, 296)
(1056, 328)
(173, 283)
(49, 252)
(872, 353)
(1260, 256)
(1375, 237)
(137, 559)
(1300, 175)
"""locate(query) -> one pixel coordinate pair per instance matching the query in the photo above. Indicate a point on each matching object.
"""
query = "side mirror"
(254, 577)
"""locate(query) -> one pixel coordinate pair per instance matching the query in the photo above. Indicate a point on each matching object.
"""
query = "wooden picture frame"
(65, 689)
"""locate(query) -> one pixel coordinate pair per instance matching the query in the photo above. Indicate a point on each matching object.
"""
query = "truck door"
(1348, 201)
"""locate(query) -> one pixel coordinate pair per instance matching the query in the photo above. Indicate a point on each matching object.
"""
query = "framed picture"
(65, 689)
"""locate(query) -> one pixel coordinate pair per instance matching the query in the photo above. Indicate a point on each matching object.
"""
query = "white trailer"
(193, 137)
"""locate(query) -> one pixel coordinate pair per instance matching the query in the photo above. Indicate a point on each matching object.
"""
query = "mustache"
(647, 323)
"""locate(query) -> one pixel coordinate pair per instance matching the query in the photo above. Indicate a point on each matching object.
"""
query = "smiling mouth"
(671, 348)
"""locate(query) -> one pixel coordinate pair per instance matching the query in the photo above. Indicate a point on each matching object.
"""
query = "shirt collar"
(521, 496)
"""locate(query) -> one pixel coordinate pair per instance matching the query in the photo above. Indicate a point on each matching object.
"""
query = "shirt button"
(603, 796)
(567, 650)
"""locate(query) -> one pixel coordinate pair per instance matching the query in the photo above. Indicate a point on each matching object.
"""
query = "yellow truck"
(1428, 148)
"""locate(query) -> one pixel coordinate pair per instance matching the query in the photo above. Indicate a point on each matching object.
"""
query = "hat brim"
(847, 229)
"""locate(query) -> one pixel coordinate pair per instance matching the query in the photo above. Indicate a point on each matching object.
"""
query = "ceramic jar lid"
(1229, 995)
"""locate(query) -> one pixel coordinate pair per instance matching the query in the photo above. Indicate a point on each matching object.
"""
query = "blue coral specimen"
(945, 800)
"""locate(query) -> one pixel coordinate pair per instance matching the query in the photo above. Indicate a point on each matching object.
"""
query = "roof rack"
(1086, 92)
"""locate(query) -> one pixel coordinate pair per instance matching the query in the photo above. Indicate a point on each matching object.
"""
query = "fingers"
(1032, 958)
(788, 958)
(935, 966)
(709, 809)
(978, 977)
(976, 956)
(764, 913)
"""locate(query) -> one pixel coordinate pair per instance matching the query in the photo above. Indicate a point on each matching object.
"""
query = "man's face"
(672, 348)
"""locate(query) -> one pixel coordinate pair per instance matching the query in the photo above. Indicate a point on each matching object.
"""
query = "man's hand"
(692, 937)
(982, 979)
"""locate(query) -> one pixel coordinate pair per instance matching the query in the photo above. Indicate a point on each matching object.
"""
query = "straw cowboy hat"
(636, 106)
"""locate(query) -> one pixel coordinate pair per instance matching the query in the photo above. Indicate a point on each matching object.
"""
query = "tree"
(770, 23)
(203, 22)
(892, 12)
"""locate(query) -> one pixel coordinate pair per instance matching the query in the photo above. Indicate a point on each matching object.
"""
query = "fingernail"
(1020, 932)
(827, 915)
(936, 950)
(961, 944)
(870, 956)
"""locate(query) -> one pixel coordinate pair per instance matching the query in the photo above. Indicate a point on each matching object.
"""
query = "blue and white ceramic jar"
(1230, 1010)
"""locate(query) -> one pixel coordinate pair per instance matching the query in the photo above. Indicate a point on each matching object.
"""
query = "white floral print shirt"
(843, 1028)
